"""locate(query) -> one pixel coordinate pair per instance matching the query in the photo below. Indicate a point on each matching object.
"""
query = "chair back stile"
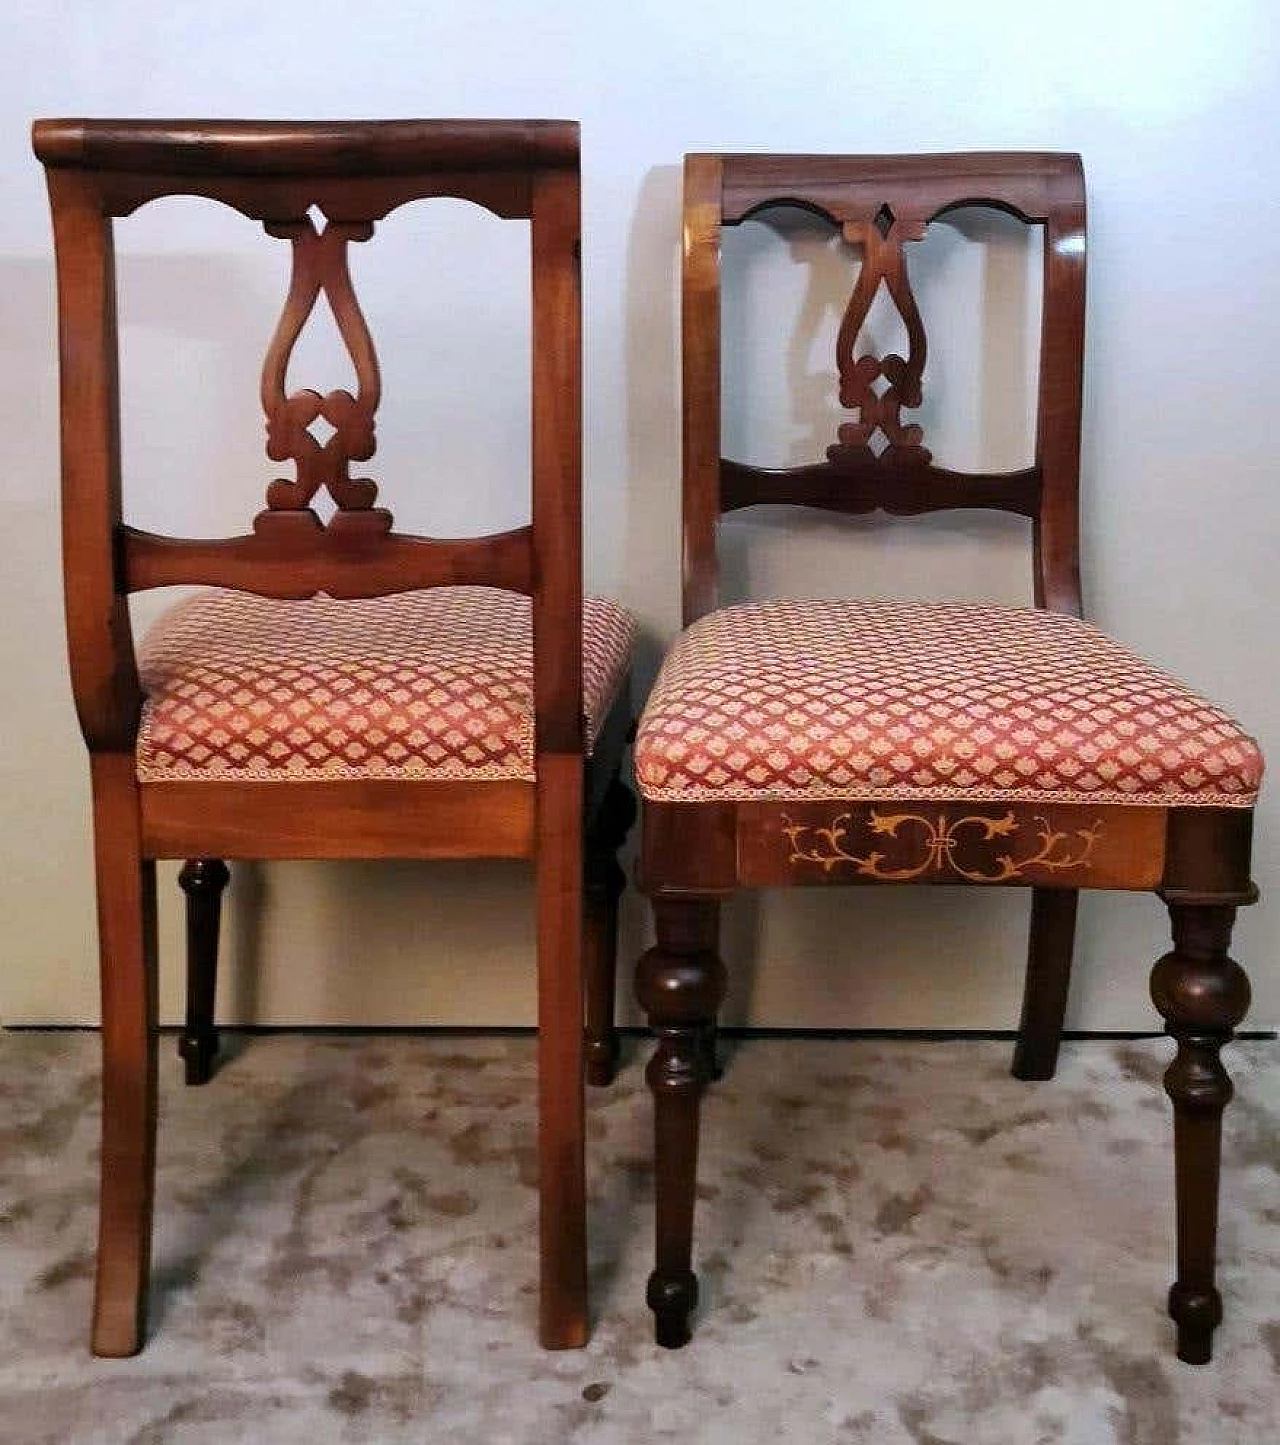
(354, 174)
(882, 204)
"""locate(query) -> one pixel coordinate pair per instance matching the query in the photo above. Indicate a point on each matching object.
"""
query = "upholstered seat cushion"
(435, 684)
(881, 700)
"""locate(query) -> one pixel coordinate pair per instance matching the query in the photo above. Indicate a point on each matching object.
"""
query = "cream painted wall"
(1175, 106)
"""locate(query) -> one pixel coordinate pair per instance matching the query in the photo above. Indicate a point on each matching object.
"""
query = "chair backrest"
(881, 203)
(354, 173)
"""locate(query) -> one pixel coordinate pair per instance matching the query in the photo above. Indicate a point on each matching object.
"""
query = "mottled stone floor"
(899, 1243)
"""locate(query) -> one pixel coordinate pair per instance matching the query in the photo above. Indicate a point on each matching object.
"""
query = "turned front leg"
(1202, 995)
(680, 984)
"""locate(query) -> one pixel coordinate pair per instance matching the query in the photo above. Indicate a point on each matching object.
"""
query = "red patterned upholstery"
(435, 684)
(888, 701)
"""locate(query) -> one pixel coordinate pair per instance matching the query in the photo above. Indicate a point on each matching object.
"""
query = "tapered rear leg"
(1044, 999)
(680, 984)
(203, 881)
(605, 883)
(127, 949)
(562, 1197)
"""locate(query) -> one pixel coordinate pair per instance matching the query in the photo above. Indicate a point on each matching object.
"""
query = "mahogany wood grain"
(1208, 855)
(851, 187)
(354, 174)
(700, 383)
(127, 945)
(688, 848)
(707, 848)
(1057, 524)
(356, 819)
(562, 1208)
(695, 854)
(856, 485)
(355, 555)
(104, 672)
(557, 462)
(560, 744)
(306, 149)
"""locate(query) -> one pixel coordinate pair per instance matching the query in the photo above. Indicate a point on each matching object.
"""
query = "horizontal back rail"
(304, 149)
(908, 493)
(343, 559)
(853, 188)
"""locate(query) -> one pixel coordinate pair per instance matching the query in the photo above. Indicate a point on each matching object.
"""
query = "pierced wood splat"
(879, 387)
(321, 435)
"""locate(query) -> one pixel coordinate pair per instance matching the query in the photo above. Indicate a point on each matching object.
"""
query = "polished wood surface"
(356, 819)
(353, 174)
(693, 855)
(355, 555)
(292, 149)
(715, 848)
(127, 945)
(852, 480)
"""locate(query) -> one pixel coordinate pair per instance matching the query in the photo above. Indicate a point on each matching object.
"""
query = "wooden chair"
(819, 743)
(358, 692)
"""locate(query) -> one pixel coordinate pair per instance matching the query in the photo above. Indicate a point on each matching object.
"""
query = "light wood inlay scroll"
(320, 266)
(941, 847)
(881, 239)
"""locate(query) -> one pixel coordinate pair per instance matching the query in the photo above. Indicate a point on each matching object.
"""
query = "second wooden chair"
(859, 742)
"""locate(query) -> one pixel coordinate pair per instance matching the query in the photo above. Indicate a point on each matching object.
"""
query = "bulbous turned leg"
(1202, 995)
(605, 884)
(680, 984)
(202, 880)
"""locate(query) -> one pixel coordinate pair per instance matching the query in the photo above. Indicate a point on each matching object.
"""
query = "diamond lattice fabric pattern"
(435, 684)
(887, 701)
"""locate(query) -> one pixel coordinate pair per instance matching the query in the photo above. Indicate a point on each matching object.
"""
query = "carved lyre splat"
(320, 265)
(881, 239)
